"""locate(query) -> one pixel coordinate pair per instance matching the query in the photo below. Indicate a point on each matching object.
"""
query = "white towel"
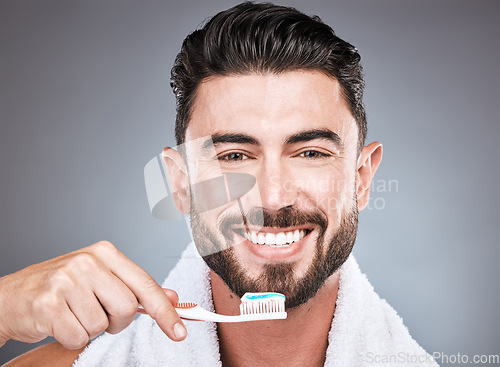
(365, 330)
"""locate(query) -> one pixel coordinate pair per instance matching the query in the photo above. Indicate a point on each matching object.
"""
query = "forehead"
(271, 106)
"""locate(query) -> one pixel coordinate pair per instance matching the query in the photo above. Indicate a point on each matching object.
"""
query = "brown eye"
(232, 157)
(313, 154)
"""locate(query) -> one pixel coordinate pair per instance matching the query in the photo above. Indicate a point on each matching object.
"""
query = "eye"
(313, 154)
(232, 157)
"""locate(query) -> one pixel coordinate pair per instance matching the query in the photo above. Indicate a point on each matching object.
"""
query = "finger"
(102, 290)
(158, 305)
(118, 301)
(68, 331)
(114, 298)
(151, 296)
(172, 295)
(89, 312)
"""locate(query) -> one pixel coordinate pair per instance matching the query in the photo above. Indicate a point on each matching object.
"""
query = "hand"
(77, 296)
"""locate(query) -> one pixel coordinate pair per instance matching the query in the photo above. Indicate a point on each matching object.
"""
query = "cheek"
(330, 190)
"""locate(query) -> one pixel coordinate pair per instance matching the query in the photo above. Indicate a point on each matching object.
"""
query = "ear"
(177, 174)
(368, 162)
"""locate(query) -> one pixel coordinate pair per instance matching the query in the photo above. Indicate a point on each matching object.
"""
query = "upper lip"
(272, 229)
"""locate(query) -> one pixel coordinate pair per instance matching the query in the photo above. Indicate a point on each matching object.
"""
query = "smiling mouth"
(273, 239)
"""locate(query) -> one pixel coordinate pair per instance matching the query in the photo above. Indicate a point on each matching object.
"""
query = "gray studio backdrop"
(85, 102)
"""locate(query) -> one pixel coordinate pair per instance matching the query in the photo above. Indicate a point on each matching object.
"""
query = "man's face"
(296, 135)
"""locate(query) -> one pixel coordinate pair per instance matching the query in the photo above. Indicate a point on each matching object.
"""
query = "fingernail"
(180, 331)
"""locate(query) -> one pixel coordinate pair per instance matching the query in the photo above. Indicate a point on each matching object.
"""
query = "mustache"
(283, 218)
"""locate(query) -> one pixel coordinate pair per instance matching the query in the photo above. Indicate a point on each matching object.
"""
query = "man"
(280, 97)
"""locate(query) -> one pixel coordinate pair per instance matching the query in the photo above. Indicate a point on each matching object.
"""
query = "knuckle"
(80, 342)
(130, 308)
(166, 312)
(125, 308)
(62, 280)
(39, 329)
(106, 247)
(47, 304)
(116, 327)
(148, 283)
(114, 330)
(83, 262)
(99, 326)
(105, 243)
(76, 340)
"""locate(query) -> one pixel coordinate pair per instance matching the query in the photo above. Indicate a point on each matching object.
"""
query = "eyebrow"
(226, 138)
(303, 136)
(316, 134)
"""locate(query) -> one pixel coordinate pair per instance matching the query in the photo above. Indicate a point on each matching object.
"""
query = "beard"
(329, 254)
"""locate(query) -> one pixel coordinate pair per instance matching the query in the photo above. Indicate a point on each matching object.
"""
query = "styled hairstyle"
(265, 38)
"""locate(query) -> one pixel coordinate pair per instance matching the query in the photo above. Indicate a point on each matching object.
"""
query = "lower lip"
(275, 254)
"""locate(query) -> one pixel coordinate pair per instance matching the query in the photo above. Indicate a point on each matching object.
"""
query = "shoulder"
(52, 354)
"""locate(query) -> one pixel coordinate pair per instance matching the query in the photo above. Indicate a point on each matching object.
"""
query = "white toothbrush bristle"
(259, 303)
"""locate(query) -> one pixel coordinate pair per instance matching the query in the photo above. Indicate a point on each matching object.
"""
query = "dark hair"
(265, 38)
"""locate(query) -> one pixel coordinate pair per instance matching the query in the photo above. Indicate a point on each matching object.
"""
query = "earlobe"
(177, 174)
(368, 162)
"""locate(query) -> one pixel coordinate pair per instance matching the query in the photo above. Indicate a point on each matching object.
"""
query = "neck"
(276, 342)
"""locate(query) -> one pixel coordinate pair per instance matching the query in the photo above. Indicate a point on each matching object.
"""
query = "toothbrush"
(253, 307)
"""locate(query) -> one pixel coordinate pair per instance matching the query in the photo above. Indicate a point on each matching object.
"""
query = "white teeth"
(270, 239)
(261, 239)
(280, 238)
(275, 239)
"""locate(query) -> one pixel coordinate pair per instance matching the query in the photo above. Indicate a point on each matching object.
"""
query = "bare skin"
(76, 297)
(268, 108)
(312, 173)
(269, 343)
(52, 354)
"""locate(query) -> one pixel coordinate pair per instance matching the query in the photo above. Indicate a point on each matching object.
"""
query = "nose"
(277, 186)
